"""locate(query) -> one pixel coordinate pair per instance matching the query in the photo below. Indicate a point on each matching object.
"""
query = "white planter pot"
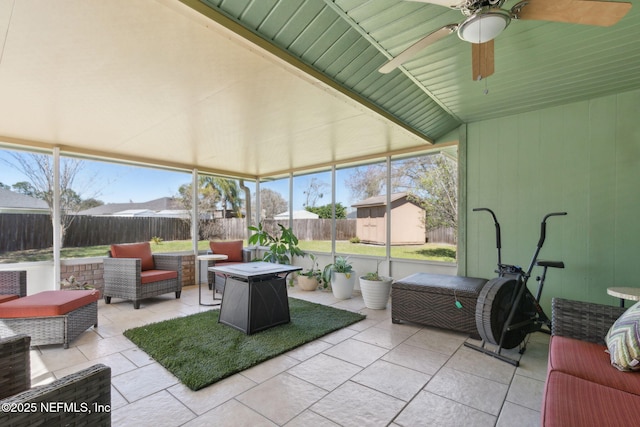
(342, 284)
(375, 293)
(307, 283)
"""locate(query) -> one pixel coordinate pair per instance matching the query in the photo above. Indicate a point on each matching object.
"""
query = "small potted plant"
(308, 279)
(375, 289)
(281, 249)
(341, 276)
(72, 284)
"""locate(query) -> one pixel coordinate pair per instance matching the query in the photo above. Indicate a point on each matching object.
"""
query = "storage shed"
(407, 220)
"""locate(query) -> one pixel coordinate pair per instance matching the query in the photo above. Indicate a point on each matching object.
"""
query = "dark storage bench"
(430, 299)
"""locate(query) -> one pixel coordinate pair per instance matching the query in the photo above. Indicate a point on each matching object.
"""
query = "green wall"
(582, 158)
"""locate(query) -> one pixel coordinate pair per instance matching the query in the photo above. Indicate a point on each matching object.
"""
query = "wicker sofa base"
(53, 329)
(430, 299)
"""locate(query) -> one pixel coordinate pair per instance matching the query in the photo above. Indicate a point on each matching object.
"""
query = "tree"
(5, 186)
(325, 212)
(38, 168)
(228, 191)
(272, 203)
(314, 192)
(431, 182)
(208, 198)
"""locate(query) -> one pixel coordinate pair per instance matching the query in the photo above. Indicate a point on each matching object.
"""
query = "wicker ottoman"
(430, 299)
(50, 317)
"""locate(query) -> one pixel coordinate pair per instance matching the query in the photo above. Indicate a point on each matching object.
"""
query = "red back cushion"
(232, 249)
(135, 250)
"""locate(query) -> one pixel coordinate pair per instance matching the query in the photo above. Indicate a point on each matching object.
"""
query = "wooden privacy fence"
(34, 231)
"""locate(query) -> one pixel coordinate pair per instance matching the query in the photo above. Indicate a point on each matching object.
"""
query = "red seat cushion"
(5, 298)
(48, 303)
(570, 401)
(135, 250)
(150, 276)
(232, 249)
(590, 362)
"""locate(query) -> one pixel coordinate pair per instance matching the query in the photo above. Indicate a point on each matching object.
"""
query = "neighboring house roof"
(157, 205)
(378, 200)
(10, 201)
(297, 215)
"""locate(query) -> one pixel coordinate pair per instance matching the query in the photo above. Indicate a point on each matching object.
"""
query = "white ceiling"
(156, 82)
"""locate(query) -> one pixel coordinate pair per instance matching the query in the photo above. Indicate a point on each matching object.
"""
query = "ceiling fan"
(485, 20)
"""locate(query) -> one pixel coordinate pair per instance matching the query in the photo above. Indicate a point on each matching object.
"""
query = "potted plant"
(341, 276)
(308, 279)
(72, 284)
(281, 249)
(375, 289)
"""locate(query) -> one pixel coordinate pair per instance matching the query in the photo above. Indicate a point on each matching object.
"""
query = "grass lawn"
(428, 251)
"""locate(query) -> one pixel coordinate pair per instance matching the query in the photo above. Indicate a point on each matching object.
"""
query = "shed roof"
(12, 200)
(379, 200)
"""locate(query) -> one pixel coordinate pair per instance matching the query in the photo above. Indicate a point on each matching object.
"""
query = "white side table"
(208, 257)
(632, 294)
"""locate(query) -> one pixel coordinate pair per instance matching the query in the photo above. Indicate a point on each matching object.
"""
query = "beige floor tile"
(309, 350)
(383, 337)
(357, 352)
(117, 362)
(439, 340)
(143, 382)
(339, 335)
(533, 363)
(356, 405)
(428, 409)
(419, 359)
(214, 395)
(158, 410)
(270, 368)
(526, 392)
(106, 347)
(281, 398)
(469, 360)
(310, 419)
(231, 414)
(56, 357)
(516, 415)
(117, 401)
(325, 371)
(476, 392)
(137, 356)
(395, 380)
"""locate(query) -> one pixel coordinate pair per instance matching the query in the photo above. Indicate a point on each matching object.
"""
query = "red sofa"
(235, 253)
(582, 387)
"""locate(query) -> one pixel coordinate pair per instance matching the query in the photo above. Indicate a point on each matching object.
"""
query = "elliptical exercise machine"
(506, 311)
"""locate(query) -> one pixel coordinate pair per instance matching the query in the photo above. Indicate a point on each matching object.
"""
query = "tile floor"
(373, 373)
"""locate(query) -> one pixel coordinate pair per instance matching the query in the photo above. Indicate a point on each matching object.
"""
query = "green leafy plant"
(314, 271)
(72, 283)
(282, 248)
(373, 275)
(157, 240)
(340, 265)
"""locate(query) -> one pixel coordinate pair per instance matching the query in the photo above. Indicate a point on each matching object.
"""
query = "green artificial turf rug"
(200, 351)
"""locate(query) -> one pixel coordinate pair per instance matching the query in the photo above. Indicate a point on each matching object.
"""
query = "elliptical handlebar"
(498, 238)
(543, 226)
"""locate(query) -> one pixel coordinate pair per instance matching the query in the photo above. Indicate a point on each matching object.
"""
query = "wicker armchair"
(584, 321)
(125, 277)
(83, 398)
(13, 283)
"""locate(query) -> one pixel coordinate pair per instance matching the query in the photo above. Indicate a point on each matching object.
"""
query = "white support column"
(333, 212)
(56, 217)
(195, 222)
(291, 200)
(258, 205)
(388, 215)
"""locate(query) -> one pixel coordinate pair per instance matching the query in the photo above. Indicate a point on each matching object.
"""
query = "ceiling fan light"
(484, 26)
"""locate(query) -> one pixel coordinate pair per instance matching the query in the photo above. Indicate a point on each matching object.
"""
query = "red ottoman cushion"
(48, 303)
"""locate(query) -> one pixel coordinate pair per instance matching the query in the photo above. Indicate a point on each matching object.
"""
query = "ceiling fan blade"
(482, 60)
(445, 3)
(417, 47)
(600, 13)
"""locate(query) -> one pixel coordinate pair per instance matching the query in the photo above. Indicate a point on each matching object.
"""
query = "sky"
(115, 183)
